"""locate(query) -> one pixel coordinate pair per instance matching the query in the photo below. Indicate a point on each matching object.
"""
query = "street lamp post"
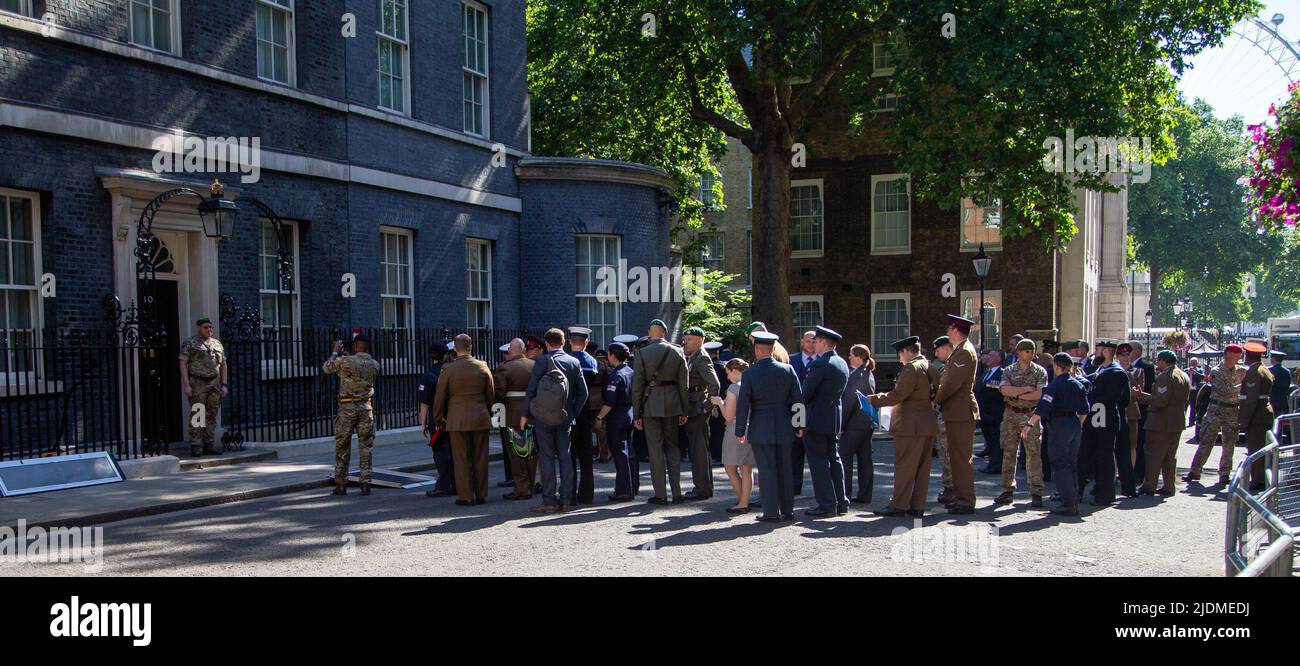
(982, 262)
(1148, 345)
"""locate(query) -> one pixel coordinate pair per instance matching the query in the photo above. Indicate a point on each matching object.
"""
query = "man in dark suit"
(553, 441)
(991, 404)
(1280, 395)
(827, 377)
(463, 407)
(801, 362)
(769, 390)
(857, 427)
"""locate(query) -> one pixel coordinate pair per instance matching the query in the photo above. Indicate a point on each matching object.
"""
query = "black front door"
(162, 404)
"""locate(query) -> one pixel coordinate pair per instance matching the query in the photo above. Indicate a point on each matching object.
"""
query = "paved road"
(404, 533)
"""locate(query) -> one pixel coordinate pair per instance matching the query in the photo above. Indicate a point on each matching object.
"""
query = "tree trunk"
(1154, 303)
(770, 278)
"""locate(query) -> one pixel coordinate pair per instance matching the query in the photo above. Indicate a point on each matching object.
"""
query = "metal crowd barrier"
(1260, 539)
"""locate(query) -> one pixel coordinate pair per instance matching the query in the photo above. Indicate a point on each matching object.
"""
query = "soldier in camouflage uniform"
(1221, 416)
(203, 378)
(942, 350)
(1022, 387)
(357, 374)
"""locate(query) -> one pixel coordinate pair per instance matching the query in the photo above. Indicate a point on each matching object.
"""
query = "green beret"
(695, 330)
(754, 325)
(202, 321)
(660, 323)
(1168, 356)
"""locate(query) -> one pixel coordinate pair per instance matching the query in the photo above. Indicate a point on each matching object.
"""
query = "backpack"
(550, 404)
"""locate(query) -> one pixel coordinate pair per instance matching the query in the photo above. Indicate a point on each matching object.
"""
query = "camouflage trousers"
(1012, 422)
(1217, 420)
(359, 417)
(945, 461)
(206, 392)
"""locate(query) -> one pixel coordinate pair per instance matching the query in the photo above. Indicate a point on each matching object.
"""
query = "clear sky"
(1238, 77)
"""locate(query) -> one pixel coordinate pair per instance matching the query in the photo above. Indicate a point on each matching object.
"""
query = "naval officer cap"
(823, 332)
(579, 332)
(905, 343)
(712, 346)
(626, 338)
(1277, 353)
(941, 341)
(504, 348)
(960, 323)
(765, 338)
(1107, 342)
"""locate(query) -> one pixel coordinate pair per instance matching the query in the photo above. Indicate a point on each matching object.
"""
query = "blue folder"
(866, 407)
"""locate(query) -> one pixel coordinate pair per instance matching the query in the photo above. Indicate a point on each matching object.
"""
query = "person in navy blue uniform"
(1064, 406)
(992, 405)
(726, 353)
(639, 450)
(1108, 398)
(553, 441)
(616, 414)
(801, 362)
(1279, 397)
(446, 485)
(822, 391)
(769, 390)
(580, 442)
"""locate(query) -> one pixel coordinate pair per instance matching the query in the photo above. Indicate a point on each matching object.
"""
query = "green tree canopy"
(657, 80)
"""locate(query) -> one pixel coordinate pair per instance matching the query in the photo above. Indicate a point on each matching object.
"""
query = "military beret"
(1063, 358)
(1026, 345)
(765, 338)
(579, 331)
(960, 323)
(532, 342)
(1168, 356)
(660, 323)
(755, 325)
(618, 347)
(1050, 344)
(941, 341)
(906, 342)
(361, 337)
(1277, 353)
(202, 321)
(695, 330)
(1255, 347)
(1124, 348)
(710, 346)
(827, 333)
(1234, 348)
(626, 338)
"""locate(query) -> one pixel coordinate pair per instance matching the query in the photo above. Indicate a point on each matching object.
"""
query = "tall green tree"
(1192, 229)
(985, 83)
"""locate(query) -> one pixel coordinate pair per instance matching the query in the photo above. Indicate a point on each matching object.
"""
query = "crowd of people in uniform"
(1085, 420)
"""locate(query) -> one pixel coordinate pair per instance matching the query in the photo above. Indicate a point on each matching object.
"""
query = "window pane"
(162, 30)
(140, 24)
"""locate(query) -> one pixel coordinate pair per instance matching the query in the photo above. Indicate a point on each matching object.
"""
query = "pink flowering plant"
(1178, 341)
(1273, 186)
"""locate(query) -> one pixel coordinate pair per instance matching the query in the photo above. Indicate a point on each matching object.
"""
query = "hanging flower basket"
(1273, 186)
(1178, 341)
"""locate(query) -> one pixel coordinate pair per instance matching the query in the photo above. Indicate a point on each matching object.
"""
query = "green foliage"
(711, 304)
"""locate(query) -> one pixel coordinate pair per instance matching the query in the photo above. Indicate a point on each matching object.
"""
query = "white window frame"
(24, 8)
(579, 296)
(707, 200)
(473, 245)
(877, 107)
(404, 44)
(989, 294)
(821, 198)
(174, 12)
(884, 348)
(749, 259)
(276, 367)
(876, 53)
(721, 259)
(485, 74)
(276, 6)
(821, 310)
(750, 205)
(26, 378)
(962, 245)
(409, 297)
(891, 250)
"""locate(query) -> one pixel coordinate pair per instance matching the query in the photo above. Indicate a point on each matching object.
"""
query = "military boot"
(946, 496)
(340, 489)
(365, 487)
(1036, 501)
(1004, 498)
